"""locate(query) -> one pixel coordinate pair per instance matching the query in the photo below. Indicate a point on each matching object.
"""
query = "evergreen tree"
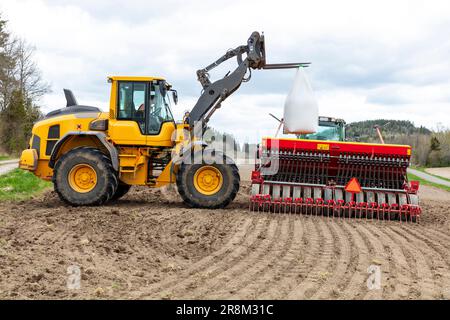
(435, 145)
(13, 134)
(21, 86)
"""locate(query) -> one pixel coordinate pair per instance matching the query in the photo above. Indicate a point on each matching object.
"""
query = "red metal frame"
(337, 147)
(333, 209)
(339, 208)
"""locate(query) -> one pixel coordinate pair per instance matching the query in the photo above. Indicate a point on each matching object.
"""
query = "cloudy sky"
(371, 59)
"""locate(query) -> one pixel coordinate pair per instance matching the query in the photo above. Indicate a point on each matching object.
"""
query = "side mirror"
(175, 96)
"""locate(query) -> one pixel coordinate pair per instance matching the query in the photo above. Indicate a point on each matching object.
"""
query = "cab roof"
(126, 78)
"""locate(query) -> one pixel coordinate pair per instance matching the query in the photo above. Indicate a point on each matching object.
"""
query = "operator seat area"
(145, 103)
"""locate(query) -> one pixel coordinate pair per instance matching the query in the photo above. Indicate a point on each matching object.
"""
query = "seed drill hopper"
(334, 179)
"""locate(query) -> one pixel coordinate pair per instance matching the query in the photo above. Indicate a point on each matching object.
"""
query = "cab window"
(326, 131)
(159, 107)
(132, 102)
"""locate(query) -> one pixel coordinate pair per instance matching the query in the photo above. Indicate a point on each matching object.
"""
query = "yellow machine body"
(136, 149)
(137, 142)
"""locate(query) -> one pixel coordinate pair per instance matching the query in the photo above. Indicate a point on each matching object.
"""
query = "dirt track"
(150, 246)
(443, 172)
(8, 165)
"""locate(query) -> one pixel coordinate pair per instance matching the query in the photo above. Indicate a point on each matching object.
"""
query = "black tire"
(106, 184)
(122, 189)
(220, 199)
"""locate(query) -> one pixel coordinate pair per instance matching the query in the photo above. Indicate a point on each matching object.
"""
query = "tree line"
(21, 87)
(429, 148)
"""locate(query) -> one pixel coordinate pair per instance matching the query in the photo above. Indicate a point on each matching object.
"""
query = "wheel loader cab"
(140, 112)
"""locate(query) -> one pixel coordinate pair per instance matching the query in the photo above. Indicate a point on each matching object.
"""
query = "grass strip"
(21, 185)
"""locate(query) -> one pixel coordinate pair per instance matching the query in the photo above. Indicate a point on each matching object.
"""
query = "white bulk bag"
(301, 111)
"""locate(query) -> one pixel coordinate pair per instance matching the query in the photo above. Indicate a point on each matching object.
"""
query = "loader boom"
(214, 93)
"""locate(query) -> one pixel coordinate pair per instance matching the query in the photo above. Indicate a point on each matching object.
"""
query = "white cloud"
(371, 59)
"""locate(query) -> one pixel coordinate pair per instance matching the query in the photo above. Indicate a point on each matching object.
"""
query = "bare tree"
(27, 74)
(21, 87)
(6, 65)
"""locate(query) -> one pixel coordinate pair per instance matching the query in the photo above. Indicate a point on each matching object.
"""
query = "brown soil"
(150, 246)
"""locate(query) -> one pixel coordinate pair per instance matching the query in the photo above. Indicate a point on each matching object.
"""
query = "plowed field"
(150, 246)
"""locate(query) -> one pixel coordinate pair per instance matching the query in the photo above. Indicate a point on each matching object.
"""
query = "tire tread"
(111, 177)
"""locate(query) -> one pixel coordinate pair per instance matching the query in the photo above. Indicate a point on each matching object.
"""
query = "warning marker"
(353, 186)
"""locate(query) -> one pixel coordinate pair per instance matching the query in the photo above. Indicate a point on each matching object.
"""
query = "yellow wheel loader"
(93, 157)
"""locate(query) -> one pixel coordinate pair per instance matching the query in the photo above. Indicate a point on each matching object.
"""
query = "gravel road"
(8, 165)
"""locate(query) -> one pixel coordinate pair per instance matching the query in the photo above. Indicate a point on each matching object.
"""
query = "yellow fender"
(99, 135)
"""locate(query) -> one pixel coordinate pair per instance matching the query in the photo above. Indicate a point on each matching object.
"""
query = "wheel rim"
(82, 178)
(208, 180)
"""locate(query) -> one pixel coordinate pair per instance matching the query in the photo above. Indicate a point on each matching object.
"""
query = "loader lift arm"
(214, 93)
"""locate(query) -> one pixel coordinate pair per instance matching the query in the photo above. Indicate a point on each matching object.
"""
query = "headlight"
(99, 125)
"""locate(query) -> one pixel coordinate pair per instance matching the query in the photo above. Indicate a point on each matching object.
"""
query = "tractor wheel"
(85, 177)
(209, 186)
(122, 189)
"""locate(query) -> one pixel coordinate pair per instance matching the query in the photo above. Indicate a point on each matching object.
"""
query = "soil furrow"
(285, 274)
(320, 271)
(235, 269)
(377, 256)
(307, 259)
(361, 255)
(341, 272)
(436, 264)
(401, 274)
(245, 285)
(240, 242)
(423, 285)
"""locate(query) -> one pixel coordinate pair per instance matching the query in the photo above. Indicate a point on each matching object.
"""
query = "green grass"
(423, 169)
(412, 177)
(21, 185)
(2, 158)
